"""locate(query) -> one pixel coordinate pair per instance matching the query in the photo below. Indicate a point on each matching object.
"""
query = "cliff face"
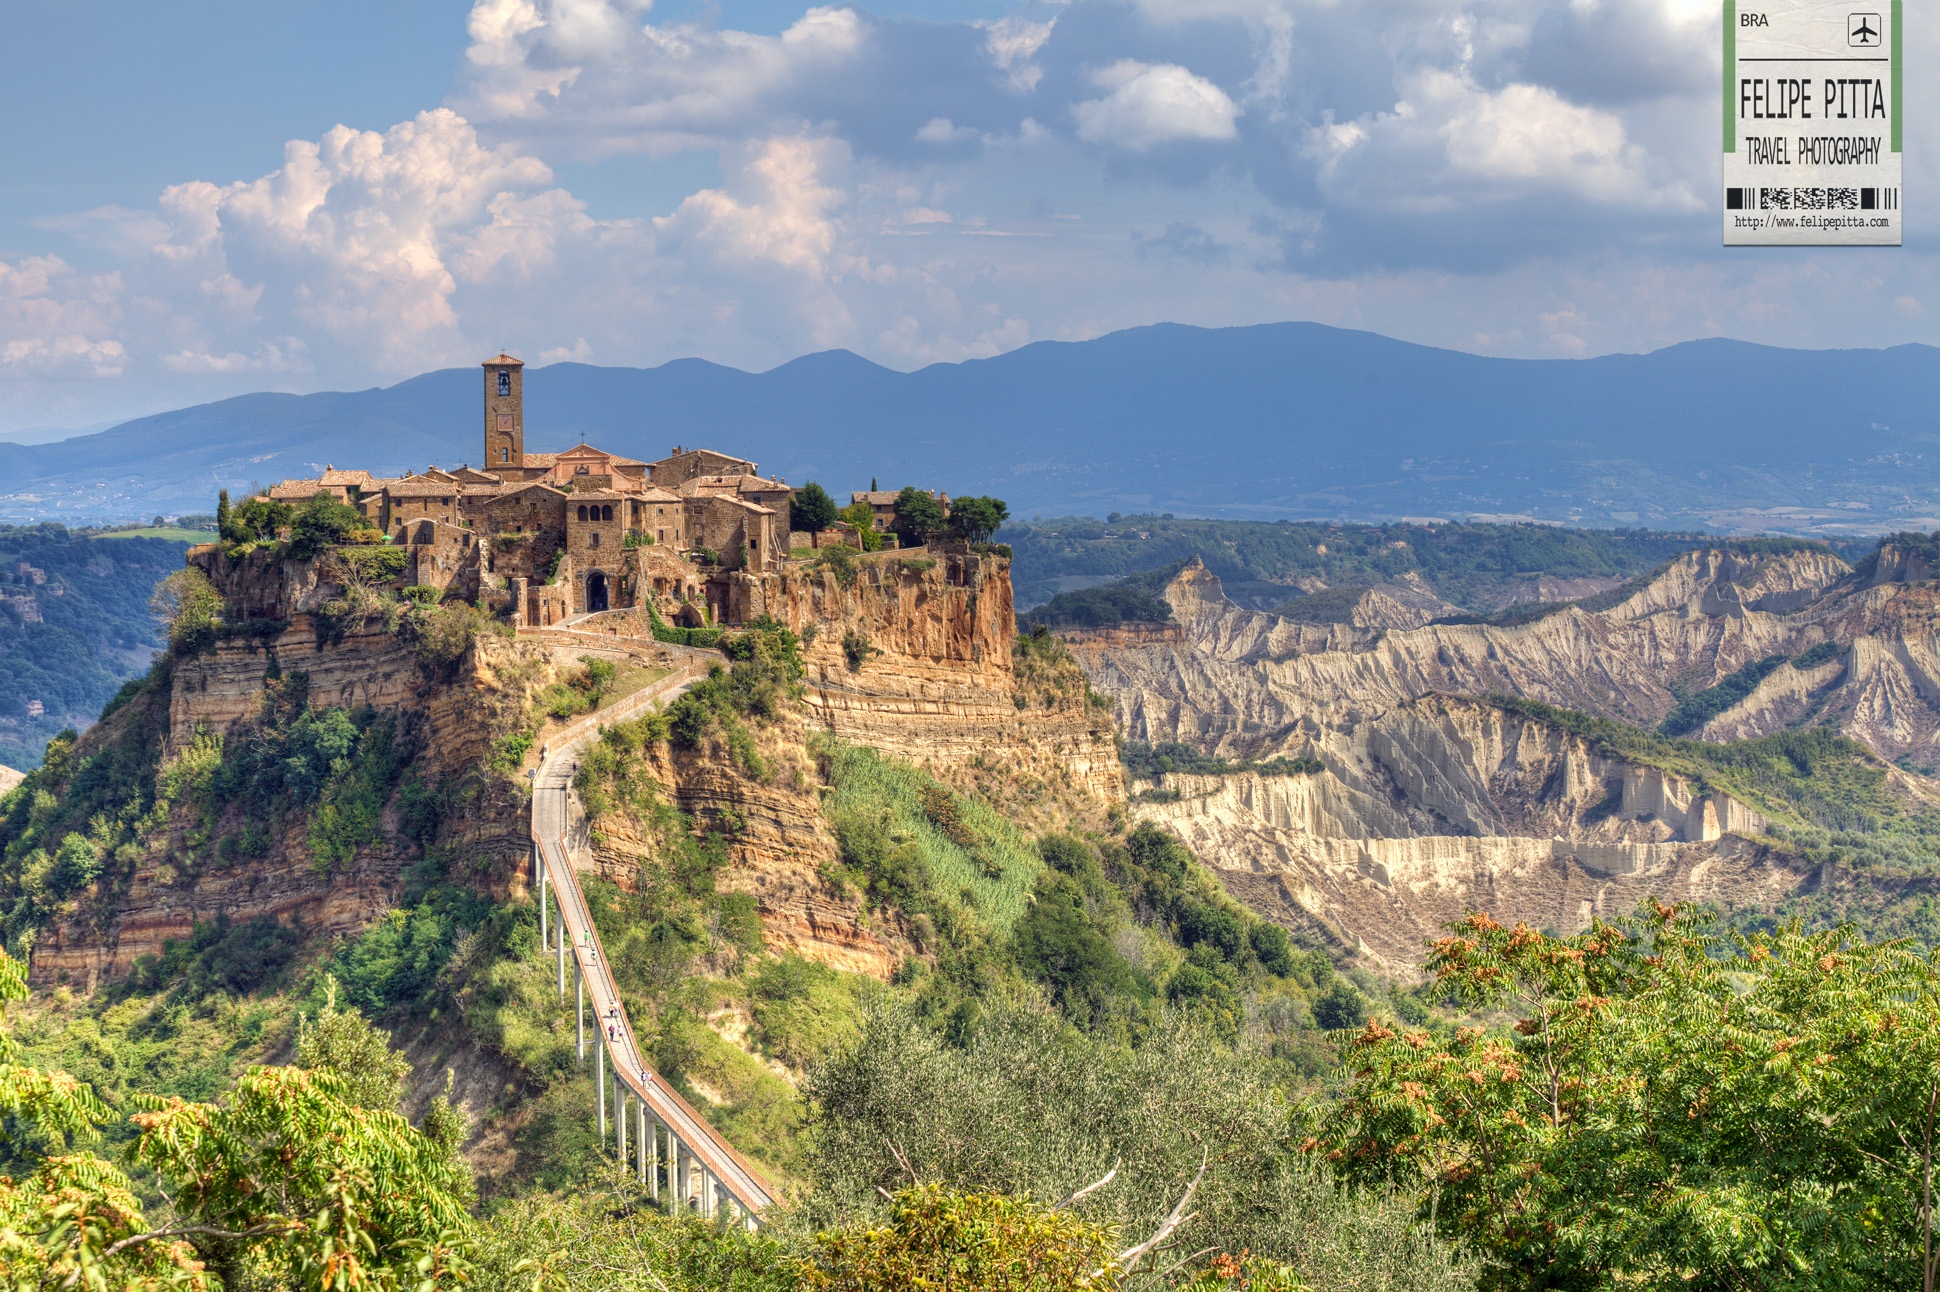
(914, 657)
(933, 681)
(1432, 802)
(1252, 685)
(179, 876)
(1446, 804)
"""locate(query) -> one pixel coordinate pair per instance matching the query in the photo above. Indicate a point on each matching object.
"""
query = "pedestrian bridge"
(649, 1127)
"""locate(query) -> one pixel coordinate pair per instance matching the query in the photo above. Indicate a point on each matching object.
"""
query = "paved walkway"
(558, 830)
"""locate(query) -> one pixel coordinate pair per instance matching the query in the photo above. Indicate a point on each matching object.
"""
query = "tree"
(283, 1179)
(1014, 1100)
(188, 603)
(76, 864)
(226, 528)
(811, 510)
(941, 1238)
(917, 516)
(1674, 1109)
(863, 517)
(975, 519)
(343, 1041)
(259, 520)
(321, 522)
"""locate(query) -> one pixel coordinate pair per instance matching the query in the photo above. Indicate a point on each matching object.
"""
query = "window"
(504, 381)
(582, 513)
(606, 513)
(663, 535)
(596, 538)
(505, 455)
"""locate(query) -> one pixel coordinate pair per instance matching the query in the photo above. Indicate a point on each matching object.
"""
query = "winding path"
(702, 1170)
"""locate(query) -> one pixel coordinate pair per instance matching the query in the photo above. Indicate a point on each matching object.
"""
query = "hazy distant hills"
(1291, 419)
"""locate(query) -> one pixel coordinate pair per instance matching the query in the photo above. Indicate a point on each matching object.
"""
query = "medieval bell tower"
(504, 413)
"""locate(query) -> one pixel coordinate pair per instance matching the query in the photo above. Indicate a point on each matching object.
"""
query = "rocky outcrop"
(180, 876)
(913, 656)
(1433, 800)
(1254, 685)
(1446, 804)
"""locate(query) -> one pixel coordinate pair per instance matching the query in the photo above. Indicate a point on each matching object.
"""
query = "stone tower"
(504, 413)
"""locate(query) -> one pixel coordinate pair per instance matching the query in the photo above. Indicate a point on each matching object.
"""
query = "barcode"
(1812, 199)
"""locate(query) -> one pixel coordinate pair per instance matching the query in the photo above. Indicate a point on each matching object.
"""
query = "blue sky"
(221, 196)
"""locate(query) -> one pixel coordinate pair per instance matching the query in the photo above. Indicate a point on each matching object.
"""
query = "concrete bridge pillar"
(619, 1113)
(579, 1010)
(561, 942)
(539, 884)
(642, 1147)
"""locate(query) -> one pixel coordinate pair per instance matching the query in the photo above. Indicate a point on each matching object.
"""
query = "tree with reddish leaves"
(1672, 1107)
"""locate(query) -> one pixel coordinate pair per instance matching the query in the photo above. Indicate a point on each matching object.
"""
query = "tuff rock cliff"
(911, 658)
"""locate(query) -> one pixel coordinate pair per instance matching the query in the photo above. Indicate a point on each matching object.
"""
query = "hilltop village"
(585, 530)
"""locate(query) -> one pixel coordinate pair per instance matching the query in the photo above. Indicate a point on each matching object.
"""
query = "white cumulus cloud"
(1154, 103)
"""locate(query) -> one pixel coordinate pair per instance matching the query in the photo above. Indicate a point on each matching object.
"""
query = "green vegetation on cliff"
(1829, 797)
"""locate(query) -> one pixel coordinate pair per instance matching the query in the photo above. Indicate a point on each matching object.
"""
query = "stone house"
(882, 503)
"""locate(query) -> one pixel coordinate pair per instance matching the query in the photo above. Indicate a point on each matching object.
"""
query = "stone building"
(574, 532)
(882, 503)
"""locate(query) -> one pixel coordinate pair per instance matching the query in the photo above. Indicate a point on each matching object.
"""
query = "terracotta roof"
(585, 450)
(654, 494)
(421, 489)
(332, 476)
(741, 502)
(541, 459)
(598, 495)
(301, 489)
(503, 361)
(875, 497)
(513, 489)
(712, 453)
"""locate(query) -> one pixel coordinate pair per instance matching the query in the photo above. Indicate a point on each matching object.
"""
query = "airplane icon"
(1862, 29)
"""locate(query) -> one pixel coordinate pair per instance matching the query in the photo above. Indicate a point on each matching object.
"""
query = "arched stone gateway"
(596, 598)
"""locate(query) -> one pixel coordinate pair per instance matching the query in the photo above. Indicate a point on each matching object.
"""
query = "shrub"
(856, 649)
(862, 518)
(375, 564)
(1823, 653)
(938, 1237)
(840, 561)
(1340, 1007)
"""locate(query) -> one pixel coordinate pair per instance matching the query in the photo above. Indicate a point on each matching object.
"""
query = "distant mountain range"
(1286, 419)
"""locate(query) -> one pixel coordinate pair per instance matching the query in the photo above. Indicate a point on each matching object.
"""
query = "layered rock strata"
(1433, 801)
